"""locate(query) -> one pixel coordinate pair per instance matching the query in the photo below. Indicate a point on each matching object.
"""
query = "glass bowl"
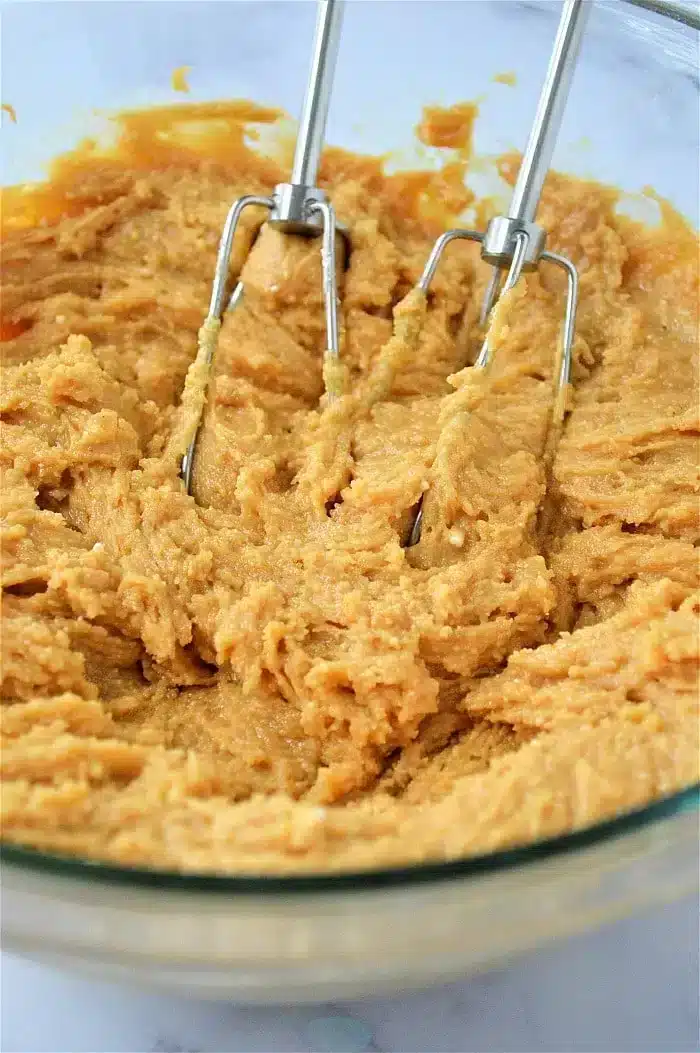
(632, 121)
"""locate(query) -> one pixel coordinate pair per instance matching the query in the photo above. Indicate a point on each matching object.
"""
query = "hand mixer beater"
(297, 207)
(515, 241)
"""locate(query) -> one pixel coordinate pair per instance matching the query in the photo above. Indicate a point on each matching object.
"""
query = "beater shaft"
(292, 203)
(538, 153)
(314, 112)
(499, 244)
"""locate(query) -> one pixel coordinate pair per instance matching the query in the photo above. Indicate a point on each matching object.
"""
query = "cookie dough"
(262, 677)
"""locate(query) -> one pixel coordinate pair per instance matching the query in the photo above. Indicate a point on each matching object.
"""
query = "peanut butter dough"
(263, 678)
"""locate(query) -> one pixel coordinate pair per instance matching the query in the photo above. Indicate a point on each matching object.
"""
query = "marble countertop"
(632, 987)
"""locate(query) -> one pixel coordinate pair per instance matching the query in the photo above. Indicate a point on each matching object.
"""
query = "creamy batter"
(262, 677)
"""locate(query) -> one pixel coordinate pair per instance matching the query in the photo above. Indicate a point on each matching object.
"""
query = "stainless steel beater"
(297, 207)
(515, 241)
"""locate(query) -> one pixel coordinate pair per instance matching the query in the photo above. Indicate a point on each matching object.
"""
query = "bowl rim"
(355, 881)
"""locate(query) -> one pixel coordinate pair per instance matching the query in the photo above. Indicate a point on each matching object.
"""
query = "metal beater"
(515, 241)
(297, 207)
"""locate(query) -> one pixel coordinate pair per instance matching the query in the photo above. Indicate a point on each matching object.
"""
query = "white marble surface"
(632, 987)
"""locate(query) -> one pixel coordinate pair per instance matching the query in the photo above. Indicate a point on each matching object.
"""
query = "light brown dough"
(265, 679)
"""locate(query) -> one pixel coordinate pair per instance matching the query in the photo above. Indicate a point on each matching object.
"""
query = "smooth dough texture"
(263, 678)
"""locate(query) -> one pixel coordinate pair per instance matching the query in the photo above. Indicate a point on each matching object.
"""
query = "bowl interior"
(631, 119)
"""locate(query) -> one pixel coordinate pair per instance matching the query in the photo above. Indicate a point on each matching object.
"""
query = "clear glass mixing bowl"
(632, 120)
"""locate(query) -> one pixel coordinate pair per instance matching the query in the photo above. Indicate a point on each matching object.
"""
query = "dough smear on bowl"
(262, 678)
